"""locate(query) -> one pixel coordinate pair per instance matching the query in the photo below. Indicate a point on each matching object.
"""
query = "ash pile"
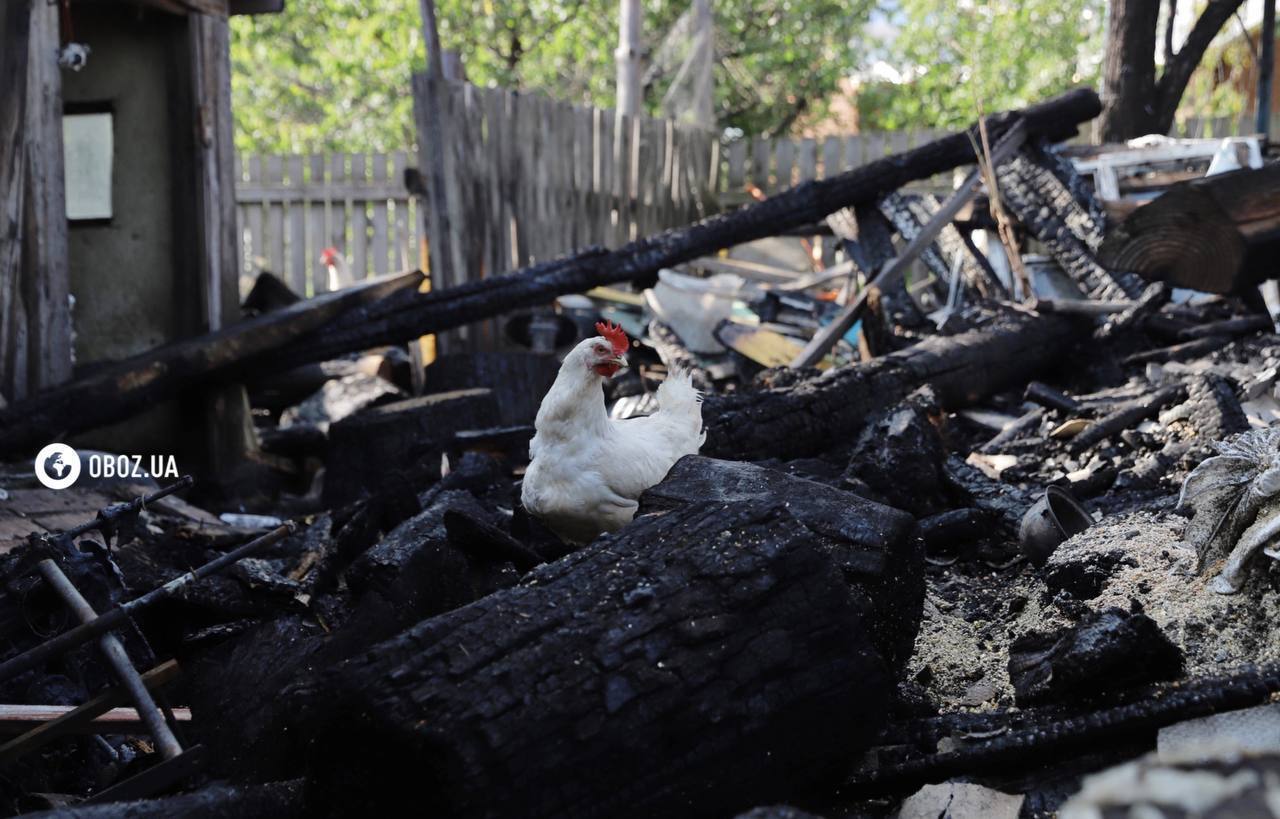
(983, 523)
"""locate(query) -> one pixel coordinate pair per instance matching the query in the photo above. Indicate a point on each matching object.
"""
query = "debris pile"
(980, 511)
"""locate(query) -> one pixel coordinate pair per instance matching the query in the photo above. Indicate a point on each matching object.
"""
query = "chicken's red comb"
(616, 336)
(329, 255)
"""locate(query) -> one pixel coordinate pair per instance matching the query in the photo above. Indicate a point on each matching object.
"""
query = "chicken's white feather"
(587, 471)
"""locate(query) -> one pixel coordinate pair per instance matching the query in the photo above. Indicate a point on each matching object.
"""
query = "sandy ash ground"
(1134, 553)
(961, 652)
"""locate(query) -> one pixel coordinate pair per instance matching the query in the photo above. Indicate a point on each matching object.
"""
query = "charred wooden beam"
(1219, 234)
(909, 213)
(1178, 352)
(279, 800)
(801, 205)
(116, 391)
(124, 390)
(694, 663)
(1032, 746)
(1127, 415)
(1046, 207)
(811, 415)
(1047, 396)
(1242, 326)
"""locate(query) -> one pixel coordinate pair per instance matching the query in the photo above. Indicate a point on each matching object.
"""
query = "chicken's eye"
(599, 348)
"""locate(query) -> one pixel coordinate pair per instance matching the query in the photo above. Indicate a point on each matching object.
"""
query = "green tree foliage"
(955, 56)
(325, 75)
(334, 74)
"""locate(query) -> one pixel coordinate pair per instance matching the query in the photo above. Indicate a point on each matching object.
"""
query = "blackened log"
(1014, 430)
(1214, 407)
(86, 403)
(874, 545)
(1046, 396)
(695, 663)
(812, 415)
(1220, 234)
(1106, 652)
(517, 379)
(1050, 213)
(1151, 300)
(900, 456)
(806, 203)
(1031, 747)
(1127, 415)
(274, 800)
(1177, 352)
(376, 447)
(1242, 326)
(118, 390)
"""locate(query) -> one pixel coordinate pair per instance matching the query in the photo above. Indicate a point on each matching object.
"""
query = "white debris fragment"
(960, 800)
(1144, 785)
(1221, 736)
(250, 521)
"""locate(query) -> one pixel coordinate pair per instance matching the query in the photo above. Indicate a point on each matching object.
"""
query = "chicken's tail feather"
(677, 395)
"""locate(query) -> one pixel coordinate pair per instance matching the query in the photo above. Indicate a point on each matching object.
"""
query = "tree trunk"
(1135, 102)
(803, 419)
(695, 663)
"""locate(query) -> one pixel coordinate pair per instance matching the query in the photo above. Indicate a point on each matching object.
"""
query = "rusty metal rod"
(116, 617)
(82, 715)
(133, 505)
(118, 659)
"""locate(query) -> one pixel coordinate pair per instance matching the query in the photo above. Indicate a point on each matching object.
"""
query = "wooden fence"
(774, 164)
(535, 178)
(533, 190)
(290, 208)
(524, 179)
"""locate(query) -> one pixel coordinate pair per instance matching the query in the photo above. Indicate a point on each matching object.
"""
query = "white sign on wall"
(87, 154)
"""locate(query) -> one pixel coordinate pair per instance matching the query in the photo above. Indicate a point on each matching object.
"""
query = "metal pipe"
(133, 505)
(118, 659)
(118, 616)
(46, 732)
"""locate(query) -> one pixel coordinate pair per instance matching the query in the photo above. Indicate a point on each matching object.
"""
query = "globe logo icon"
(57, 466)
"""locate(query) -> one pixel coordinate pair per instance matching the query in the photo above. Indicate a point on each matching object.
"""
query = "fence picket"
(832, 156)
(359, 221)
(402, 256)
(297, 242)
(253, 217)
(339, 211)
(807, 159)
(315, 242)
(379, 208)
(275, 219)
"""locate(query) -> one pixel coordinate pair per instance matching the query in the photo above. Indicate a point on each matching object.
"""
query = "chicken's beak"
(620, 360)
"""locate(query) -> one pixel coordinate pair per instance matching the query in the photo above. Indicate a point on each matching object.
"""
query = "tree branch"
(1177, 72)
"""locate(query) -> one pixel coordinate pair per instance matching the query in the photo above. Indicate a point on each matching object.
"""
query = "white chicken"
(587, 470)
